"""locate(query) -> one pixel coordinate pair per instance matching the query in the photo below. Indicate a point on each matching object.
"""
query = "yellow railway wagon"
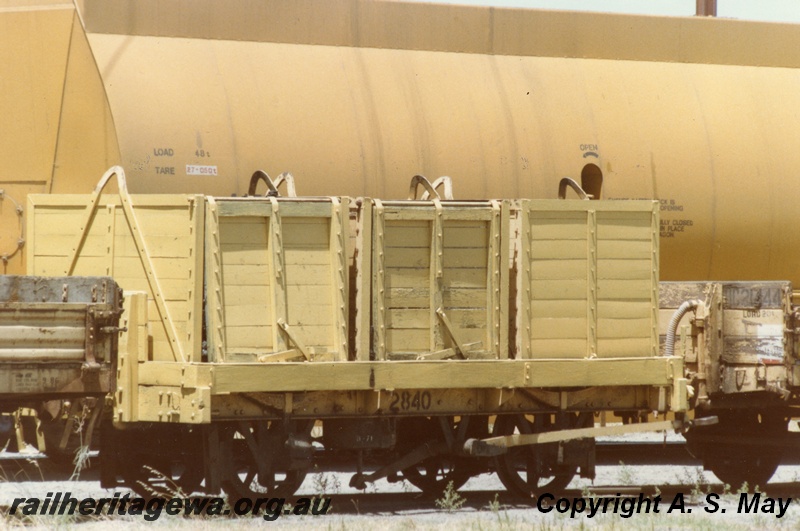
(275, 275)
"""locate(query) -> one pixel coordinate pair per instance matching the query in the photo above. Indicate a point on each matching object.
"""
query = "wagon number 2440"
(410, 401)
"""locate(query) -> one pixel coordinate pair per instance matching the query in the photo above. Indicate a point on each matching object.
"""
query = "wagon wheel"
(528, 470)
(265, 457)
(725, 451)
(433, 474)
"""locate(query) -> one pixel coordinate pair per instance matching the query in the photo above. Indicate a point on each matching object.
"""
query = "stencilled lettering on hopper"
(590, 150)
(197, 169)
(752, 298)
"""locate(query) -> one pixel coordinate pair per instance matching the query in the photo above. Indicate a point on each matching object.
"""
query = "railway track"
(37, 466)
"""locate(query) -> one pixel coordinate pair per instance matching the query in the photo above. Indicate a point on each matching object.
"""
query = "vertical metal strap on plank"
(654, 232)
(194, 324)
(338, 244)
(379, 292)
(494, 281)
(524, 294)
(591, 280)
(215, 305)
(505, 290)
(436, 274)
(279, 310)
(111, 238)
(363, 280)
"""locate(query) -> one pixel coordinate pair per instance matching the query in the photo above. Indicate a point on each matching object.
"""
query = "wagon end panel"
(588, 279)
(147, 243)
(277, 279)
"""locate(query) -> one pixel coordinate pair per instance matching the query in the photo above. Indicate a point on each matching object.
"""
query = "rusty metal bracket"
(272, 186)
(562, 189)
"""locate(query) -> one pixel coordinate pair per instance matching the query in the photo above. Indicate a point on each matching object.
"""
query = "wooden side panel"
(280, 292)
(467, 279)
(246, 274)
(625, 266)
(588, 279)
(437, 284)
(559, 261)
(309, 280)
(168, 226)
(407, 263)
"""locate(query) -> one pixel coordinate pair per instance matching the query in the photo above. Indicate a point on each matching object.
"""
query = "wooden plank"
(635, 227)
(408, 340)
(576, 205)
(624, 289)
(629, 347)
(459, 278)
(405, 277)
(624, 249)
(559, 289)
(558, 269)
(380, 293)
(572, 227)
(252, 208)
(308, 293)
(624, 328)
(246, 295)
(164, 268)
(560, 309)
(316, 335)
(55, 266)
(310, 275)
(616, 269)
(314, 313)
(465, 298)
(407, 257)
(299, 233)
(408, 234)
(172, 291)
(159, 246)
(262, 207)
(362, 287)
(248, 315)
(166, 221)
(558, 249)
(245, 254)
(329, 376)
(246, 275)
(241, 336)
(178, 309)
(306, 256)
(31, 336)
(558, 328)
(409, 213)
(60, 245)
(215, 303)
(557, 348)
(626, 309)
(478, 337)
(407, 298)
(278, 276)
(466, 258)
(410, 318)
(466, 234)
(290, 208)
(253, 232)
(468, 318)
